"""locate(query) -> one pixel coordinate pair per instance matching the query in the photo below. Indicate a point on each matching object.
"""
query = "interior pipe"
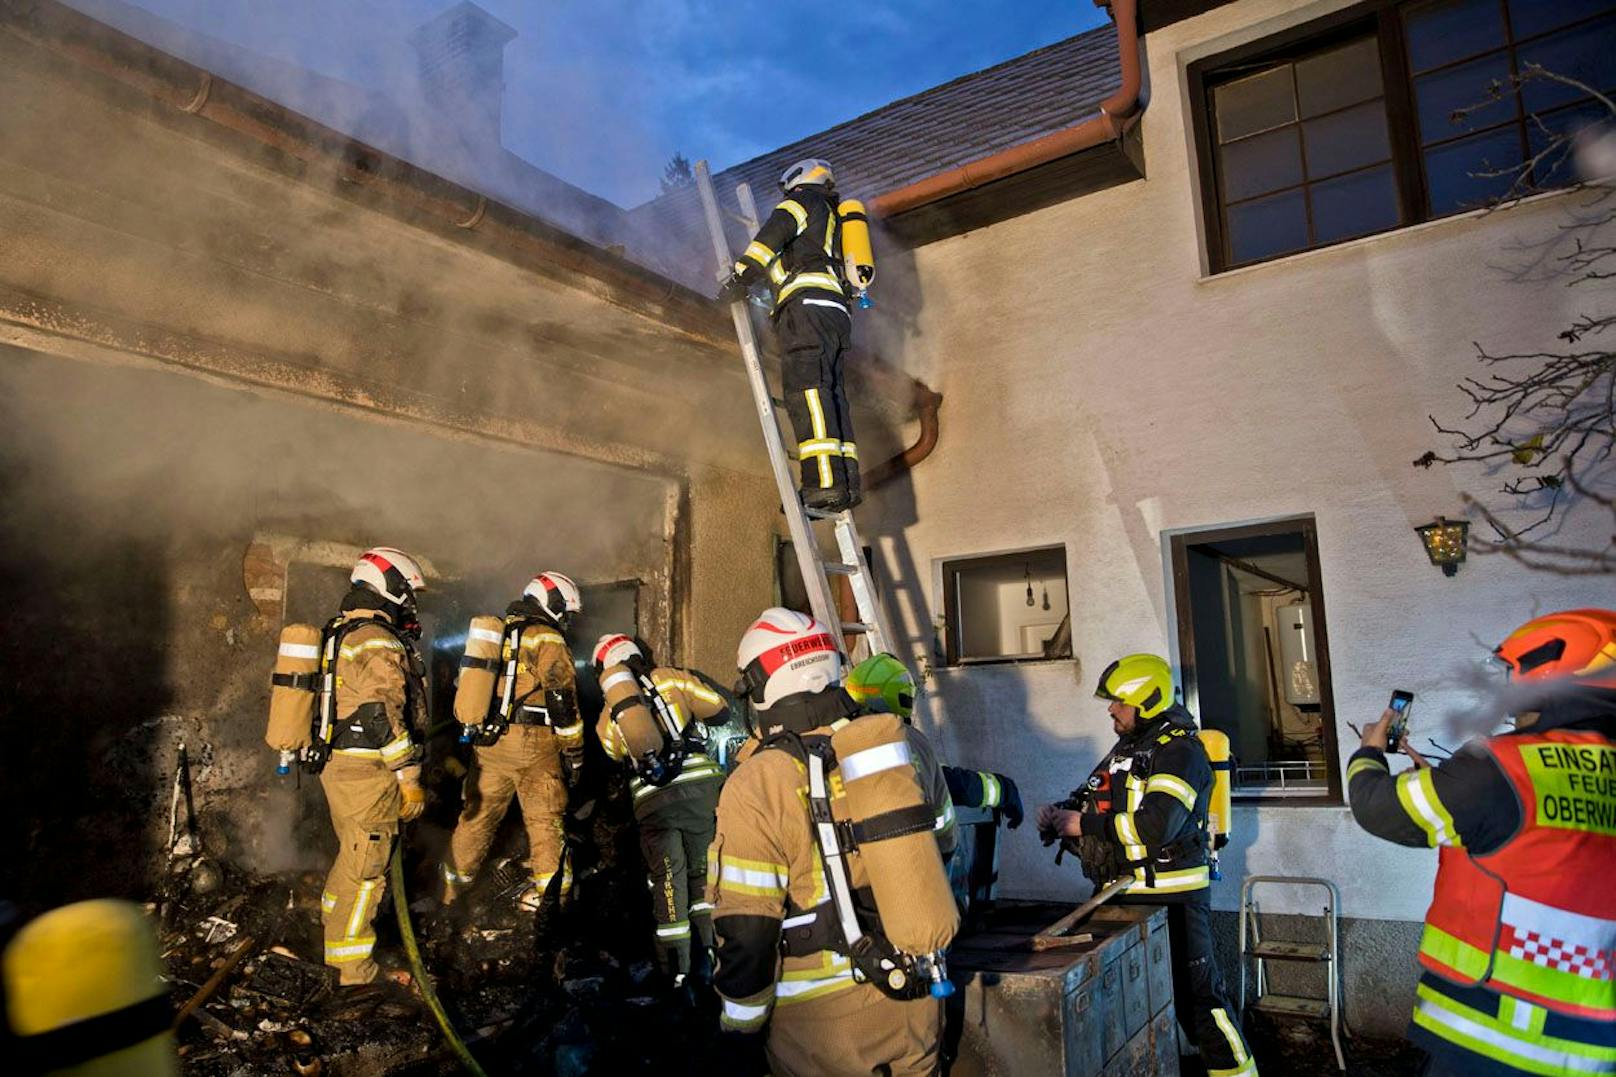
(1117, 114)
(401, 910)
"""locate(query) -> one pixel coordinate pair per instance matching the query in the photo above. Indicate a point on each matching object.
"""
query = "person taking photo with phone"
(1519, 947)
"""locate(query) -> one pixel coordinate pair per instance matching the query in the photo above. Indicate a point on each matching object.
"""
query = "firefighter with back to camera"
(350, 699)
(518, 704)
(813, 251)
(1145, 816)
(648, 723)
(831, 904)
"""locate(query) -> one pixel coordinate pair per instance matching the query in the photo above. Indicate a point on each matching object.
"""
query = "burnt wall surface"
(137, 508)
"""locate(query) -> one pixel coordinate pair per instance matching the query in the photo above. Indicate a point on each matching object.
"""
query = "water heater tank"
(1298, 658)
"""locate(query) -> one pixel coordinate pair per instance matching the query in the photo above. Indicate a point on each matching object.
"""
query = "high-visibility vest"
(1536, 918)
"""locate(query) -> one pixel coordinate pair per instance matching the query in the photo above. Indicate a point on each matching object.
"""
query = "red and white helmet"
(786, 653)
(615, 649)
(393, 574)
(556, 594)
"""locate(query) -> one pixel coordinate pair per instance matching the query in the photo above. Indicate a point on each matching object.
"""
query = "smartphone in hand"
(1402, 702)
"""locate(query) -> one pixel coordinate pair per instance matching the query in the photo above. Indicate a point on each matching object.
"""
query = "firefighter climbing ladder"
(816, 570)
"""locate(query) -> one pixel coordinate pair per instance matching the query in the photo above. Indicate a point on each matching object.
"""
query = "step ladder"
(1327, 954)
(871, 627)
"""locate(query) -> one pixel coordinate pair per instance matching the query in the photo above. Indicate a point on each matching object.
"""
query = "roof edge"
(1118, 113)
(184, 93)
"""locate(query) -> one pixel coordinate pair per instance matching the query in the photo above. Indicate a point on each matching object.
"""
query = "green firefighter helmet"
(881, 680)
(1139, 680)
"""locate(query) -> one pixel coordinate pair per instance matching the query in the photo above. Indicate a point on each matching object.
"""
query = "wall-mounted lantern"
(1445, 542)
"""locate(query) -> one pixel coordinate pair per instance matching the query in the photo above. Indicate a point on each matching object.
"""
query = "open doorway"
(1255, 654)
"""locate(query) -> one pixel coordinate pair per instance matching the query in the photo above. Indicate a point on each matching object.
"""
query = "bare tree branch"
(1545, 421)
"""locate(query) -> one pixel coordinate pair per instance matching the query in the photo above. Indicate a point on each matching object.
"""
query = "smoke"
(1485, 701)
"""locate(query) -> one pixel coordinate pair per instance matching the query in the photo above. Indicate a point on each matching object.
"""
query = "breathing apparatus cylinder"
(479, 672)
(1220, 810)
(912, 896)
(858, 254)
(294, 689)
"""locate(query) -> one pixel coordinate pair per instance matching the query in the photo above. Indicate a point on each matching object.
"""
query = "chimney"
(461, 57)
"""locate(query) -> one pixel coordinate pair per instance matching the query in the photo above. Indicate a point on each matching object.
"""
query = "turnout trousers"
(1200, 996)
(364, 800)
(524, 764)
(814, 335)
(676, 826)
(856, 1032)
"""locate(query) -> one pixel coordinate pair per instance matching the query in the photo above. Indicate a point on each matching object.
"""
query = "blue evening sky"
(604, 92)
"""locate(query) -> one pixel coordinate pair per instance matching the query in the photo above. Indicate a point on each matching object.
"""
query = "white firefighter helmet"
(393, 574)
(810, 171)
(786, 653)
(614, 649)
(556, 594)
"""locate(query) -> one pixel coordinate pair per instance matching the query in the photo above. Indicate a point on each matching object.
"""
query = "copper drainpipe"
(1117, 114)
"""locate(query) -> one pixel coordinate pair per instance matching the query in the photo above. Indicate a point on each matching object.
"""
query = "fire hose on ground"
(401, 909)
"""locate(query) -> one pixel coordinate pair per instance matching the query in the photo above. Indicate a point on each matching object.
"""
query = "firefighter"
(85, 994)
(883, 683)
(798, 250)
(1148, 820)
(534, 753)
(791, 986)
(648, 725)
(373, 776)
(1519, 947)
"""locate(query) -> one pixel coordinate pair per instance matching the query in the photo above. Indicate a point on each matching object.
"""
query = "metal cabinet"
(1095, 1008)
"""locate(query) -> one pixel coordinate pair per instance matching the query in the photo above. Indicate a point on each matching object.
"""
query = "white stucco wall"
(1100, 391)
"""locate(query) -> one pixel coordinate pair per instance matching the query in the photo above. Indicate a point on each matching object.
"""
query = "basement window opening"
(1009, 607)
(1255, 655)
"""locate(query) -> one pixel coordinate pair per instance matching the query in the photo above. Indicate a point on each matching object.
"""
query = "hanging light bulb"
(1046, 596)
(1028, 570)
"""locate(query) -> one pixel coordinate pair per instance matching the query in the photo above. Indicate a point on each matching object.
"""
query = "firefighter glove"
(733, 290)
(1010, 802)
(409, 783)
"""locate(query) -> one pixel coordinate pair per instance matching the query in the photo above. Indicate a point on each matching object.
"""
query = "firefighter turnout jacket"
(798, 250)
(1150, 795)
(628, 720)
(767, 878)
(380, 692)
(1519, 946)
(526, 761)
(380, 712)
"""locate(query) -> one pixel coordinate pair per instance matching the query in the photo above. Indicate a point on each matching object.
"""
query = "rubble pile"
(571, 990)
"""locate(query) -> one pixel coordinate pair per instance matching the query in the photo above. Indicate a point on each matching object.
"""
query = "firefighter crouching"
(1146, 819)
(1519, 948)
(798, 251)
(832, 906)
(518, 701)
(648, 724)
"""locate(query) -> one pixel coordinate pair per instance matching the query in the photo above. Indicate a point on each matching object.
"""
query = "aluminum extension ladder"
(871, 626)
(1328, 954)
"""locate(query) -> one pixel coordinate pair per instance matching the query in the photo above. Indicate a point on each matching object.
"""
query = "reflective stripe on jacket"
(765, 877)
(1524, 919)
(798, 250)
(635, 729)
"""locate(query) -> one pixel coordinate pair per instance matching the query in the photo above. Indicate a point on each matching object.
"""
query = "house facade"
(1191, 418)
